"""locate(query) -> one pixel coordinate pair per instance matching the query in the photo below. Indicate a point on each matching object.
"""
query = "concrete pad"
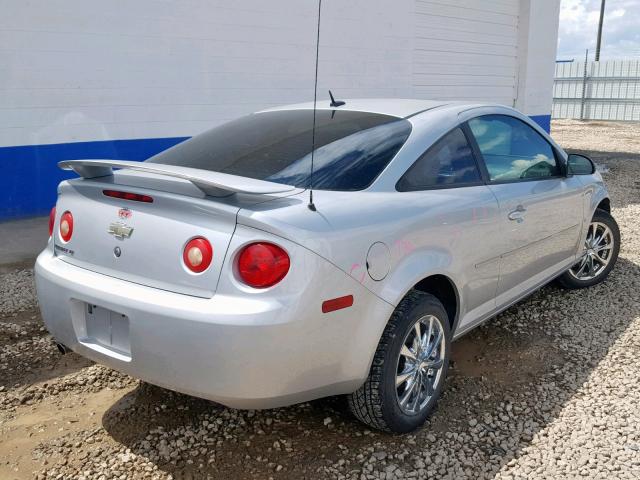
(22, 240)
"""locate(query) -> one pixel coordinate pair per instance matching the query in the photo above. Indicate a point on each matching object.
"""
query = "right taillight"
(66, 226)
(52, 220)
(262, 265)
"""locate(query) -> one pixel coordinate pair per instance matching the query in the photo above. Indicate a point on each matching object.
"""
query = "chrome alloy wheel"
(598, 248)
(419, 369)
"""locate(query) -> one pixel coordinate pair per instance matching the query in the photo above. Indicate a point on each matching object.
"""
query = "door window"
(449, 162)
(512, 150)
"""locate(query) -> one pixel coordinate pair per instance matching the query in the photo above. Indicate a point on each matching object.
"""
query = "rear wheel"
(599, 253)
(409, 367)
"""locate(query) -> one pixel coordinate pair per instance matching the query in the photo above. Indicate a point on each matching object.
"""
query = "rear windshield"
(352, 148)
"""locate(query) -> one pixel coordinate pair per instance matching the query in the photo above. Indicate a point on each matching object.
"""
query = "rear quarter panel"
(447, 231)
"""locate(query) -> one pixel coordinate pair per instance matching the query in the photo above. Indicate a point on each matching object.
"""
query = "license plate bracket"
(107, 329)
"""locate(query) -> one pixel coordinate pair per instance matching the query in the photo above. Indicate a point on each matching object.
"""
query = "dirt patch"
(45, 423)
(619, 137)
(509, 361)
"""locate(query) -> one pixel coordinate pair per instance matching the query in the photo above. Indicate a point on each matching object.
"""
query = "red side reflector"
(337, 303)
(135, 197)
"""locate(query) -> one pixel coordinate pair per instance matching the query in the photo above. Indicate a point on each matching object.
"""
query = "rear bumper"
(240, 350)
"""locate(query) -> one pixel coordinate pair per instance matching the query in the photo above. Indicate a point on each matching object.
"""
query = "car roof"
(398, 107)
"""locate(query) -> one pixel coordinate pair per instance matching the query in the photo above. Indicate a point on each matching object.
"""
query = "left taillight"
(52, 220)
(66, 226)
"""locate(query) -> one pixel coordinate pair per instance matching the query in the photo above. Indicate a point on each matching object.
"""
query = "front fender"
(594, 193)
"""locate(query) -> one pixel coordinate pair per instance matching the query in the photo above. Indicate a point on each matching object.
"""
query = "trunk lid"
(151, 253)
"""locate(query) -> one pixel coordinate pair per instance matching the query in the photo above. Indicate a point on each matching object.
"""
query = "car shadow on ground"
(510, 378)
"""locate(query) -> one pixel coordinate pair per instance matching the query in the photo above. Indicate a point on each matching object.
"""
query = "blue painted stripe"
(29, 174)
(543, 120)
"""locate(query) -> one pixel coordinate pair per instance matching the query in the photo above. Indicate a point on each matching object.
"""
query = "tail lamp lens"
(261, 265)
(197, 254)
(66, 226)
(52, 220)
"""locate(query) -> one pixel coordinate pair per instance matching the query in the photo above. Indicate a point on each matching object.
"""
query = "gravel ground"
(17, 292)
(549, 389)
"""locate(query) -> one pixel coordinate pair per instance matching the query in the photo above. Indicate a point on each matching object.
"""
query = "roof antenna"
(334, 102)
(311, 205)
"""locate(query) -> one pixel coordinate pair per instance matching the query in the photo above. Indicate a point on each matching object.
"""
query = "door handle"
(517, 214)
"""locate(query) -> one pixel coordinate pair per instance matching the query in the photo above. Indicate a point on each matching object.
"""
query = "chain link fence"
(597, 90)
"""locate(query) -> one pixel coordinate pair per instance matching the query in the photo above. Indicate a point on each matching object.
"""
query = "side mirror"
(580, 165)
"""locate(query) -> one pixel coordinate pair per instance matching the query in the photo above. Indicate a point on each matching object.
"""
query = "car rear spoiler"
(215, 184)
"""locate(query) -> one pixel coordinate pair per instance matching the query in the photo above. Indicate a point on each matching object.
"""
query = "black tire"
(569, 281)
(376, 402)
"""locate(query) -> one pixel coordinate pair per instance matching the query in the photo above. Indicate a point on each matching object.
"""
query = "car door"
(540, 207)
(460, 217)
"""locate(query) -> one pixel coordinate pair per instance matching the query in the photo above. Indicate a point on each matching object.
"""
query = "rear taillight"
(197, 254)
(66, 226)
(261, 265)
(52, 220)
(134, 197)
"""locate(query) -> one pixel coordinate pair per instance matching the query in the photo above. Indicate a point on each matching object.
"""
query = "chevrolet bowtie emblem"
(120, 230)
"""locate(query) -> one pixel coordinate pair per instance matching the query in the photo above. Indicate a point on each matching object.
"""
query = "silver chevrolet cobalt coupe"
(211, 270)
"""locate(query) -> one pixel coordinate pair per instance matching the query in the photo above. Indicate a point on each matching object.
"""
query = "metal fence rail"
(597, 90)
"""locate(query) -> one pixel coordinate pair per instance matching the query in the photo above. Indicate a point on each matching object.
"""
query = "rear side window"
(449, 162)
(352, 148)
(512, 150)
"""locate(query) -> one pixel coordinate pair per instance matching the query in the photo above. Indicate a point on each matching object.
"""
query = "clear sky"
(579, 29)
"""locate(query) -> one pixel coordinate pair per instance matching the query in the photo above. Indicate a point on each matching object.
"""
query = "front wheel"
(599, 253)
(409, 367)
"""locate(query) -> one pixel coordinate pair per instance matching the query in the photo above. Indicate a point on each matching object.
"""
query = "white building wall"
(466, 50)
(88, 70)
(77, 70)
(537, 44)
